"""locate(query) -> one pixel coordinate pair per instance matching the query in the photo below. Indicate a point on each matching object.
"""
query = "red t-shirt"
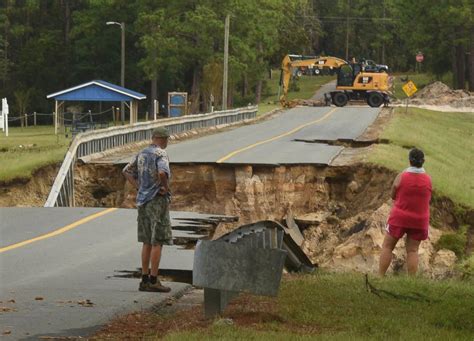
(411, 208)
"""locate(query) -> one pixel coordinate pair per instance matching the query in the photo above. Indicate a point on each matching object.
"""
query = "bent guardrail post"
(249, 259)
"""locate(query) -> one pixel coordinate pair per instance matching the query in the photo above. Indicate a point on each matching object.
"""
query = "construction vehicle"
(352, 82)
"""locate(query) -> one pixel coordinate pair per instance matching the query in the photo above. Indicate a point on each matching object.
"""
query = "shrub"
(467, 268)
(455, 242)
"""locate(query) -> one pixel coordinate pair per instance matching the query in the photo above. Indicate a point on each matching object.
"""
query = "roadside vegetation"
(28, 149)
(325, 306)
(446, 139)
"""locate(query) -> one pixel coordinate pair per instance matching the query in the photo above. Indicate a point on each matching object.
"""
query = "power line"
(346, 18)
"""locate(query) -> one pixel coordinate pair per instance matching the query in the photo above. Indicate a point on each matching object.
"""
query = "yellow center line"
(58, 231)
(228, 156)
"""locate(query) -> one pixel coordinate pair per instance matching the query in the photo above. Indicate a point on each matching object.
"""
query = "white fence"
(62, 192)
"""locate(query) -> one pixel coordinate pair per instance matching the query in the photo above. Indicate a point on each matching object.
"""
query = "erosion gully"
(262, 192)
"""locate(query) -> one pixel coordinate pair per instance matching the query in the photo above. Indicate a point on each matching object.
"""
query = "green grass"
(466, 268)
(454, 241)
(338, 307)
(447, 140)
(27, 149)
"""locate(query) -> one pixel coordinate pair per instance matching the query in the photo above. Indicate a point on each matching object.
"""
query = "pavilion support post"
(61, 111)
(133, 112)
(135, 108)
(55, 117)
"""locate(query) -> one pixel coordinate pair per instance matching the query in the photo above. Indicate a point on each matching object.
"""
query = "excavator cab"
(345, 76)
(347, 73)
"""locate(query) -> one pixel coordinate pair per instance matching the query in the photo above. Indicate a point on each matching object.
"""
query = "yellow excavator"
(353, 83)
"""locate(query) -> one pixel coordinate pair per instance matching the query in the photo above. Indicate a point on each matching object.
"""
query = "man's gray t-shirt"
(145, 168)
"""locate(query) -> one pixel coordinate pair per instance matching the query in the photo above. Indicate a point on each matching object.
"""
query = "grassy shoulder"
(328, 307)
(27, 149)
(446, 138)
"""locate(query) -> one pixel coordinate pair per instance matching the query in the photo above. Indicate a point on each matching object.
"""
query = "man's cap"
(160, 132)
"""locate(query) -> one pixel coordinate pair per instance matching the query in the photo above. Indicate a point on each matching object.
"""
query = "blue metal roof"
(97, 90)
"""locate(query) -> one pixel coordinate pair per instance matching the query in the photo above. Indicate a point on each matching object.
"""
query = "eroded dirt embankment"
(28, 192)
(251, 192)
(341, 210)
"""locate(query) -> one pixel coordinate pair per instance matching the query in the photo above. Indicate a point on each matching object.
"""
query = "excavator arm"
(293, 61)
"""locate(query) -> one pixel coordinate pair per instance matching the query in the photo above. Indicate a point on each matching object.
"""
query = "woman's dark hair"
(416, 157)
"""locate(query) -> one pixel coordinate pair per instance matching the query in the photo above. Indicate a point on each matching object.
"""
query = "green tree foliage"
(443, 31)
(46, 46)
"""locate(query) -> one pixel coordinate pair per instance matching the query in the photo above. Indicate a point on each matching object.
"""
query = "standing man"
(149, 172)
(410, 214)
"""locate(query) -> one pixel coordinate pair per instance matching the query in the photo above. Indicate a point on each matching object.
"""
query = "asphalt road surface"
(274, 141)
(53, 260)
(328, 87)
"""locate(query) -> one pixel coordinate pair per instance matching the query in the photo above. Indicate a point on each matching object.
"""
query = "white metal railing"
(87, 143)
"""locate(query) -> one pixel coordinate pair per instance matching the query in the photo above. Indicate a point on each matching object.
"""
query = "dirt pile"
(440, 94)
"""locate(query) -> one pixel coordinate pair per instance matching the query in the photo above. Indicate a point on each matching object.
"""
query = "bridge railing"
(87, 143)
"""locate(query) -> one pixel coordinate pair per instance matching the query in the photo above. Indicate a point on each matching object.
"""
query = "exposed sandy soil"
(28, 192)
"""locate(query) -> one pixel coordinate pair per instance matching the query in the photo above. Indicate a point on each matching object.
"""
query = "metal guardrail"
(87, 143)
(248, 259)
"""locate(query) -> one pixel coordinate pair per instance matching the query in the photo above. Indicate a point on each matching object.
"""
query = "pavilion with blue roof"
(97, 91)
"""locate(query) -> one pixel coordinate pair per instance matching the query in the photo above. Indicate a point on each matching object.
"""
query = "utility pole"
(226, 62)
(122, 64)
(347, 29)
(122, 70)
(384, 30)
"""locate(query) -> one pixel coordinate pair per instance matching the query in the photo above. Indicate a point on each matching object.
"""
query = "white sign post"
(155, 109)
(4, 116)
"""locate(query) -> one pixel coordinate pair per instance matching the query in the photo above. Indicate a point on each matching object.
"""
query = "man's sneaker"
(143, 286)
(157, 287)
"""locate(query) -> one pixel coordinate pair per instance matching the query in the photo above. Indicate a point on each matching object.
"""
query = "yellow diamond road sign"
(409, 88)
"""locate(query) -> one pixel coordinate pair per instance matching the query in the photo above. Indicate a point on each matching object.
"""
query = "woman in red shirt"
(410, 214)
